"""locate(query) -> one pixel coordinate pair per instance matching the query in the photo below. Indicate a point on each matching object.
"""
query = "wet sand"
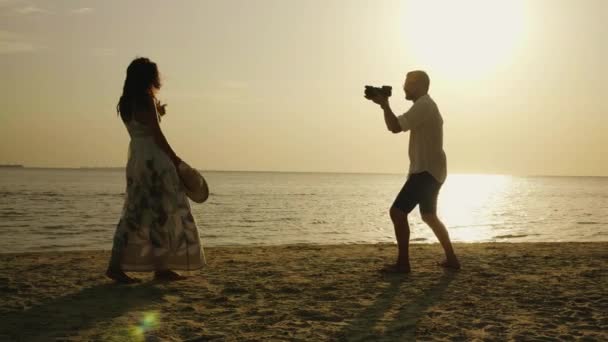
(523, 291)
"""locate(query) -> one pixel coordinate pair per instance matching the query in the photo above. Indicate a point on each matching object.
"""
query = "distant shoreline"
(119, 168)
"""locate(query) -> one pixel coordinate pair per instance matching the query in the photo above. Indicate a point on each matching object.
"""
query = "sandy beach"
(525, 291)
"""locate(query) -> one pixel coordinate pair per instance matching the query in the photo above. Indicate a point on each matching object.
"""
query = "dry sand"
(315, 293)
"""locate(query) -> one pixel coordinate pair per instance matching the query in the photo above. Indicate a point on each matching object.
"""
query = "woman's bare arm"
(148, 116)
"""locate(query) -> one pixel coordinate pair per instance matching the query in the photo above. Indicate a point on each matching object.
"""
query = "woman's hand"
(160, 108)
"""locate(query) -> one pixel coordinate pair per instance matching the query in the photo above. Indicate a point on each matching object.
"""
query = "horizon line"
(20, 166)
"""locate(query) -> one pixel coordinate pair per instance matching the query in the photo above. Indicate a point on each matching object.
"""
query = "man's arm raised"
(392, 123)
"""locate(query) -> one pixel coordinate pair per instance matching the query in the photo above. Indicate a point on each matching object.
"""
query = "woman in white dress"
(156, 231)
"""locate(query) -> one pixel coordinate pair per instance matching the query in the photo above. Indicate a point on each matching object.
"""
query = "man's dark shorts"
(419, 189)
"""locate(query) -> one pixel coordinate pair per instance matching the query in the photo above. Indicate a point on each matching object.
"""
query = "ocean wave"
(319, 222)
(9, 225)
(53, 226)
(278, 219)
(261, 194)
(52, 194)
(242, 226)
(88, 225)
(588, 222)
(59, 233)
(105, 194)
(12, 213)
(253, 220)
(42, 193)
(510, 236)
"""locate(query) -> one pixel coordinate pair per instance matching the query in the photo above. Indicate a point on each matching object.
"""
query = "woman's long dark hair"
(142, 78)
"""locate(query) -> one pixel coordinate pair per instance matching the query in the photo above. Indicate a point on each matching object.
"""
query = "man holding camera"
(428, 169)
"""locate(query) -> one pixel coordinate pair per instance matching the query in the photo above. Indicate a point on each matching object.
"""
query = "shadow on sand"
(403, 326)
(65, 316)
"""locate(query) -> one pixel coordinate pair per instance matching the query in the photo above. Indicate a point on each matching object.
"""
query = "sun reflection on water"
(464, 198)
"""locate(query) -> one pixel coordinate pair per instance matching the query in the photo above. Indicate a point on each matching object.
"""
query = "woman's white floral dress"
(156, 230)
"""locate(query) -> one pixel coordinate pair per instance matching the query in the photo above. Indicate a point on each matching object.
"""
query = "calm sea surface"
(72, 209)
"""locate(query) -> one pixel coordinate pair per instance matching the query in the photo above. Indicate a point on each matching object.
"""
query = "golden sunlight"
(471, 38)
(466, 198)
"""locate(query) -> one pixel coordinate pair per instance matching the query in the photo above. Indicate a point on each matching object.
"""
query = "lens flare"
(147, 323)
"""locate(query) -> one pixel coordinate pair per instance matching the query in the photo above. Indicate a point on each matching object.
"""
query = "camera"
(371, 91)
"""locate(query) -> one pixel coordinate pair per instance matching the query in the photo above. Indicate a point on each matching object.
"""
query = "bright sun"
(464, 38)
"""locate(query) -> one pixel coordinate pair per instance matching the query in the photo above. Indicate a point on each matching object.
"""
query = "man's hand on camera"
(380, 100)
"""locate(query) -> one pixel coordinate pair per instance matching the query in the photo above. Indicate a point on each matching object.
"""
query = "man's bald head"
(417, 84)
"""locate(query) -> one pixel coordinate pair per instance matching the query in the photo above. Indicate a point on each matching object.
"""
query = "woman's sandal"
(121, 277)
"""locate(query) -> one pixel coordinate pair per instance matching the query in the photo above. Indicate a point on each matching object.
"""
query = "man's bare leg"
(443, 236)
(402, 233)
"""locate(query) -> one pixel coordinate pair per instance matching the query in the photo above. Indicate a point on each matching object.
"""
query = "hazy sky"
(278, 84)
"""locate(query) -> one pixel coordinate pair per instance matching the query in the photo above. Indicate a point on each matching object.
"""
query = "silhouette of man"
(428, 168)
